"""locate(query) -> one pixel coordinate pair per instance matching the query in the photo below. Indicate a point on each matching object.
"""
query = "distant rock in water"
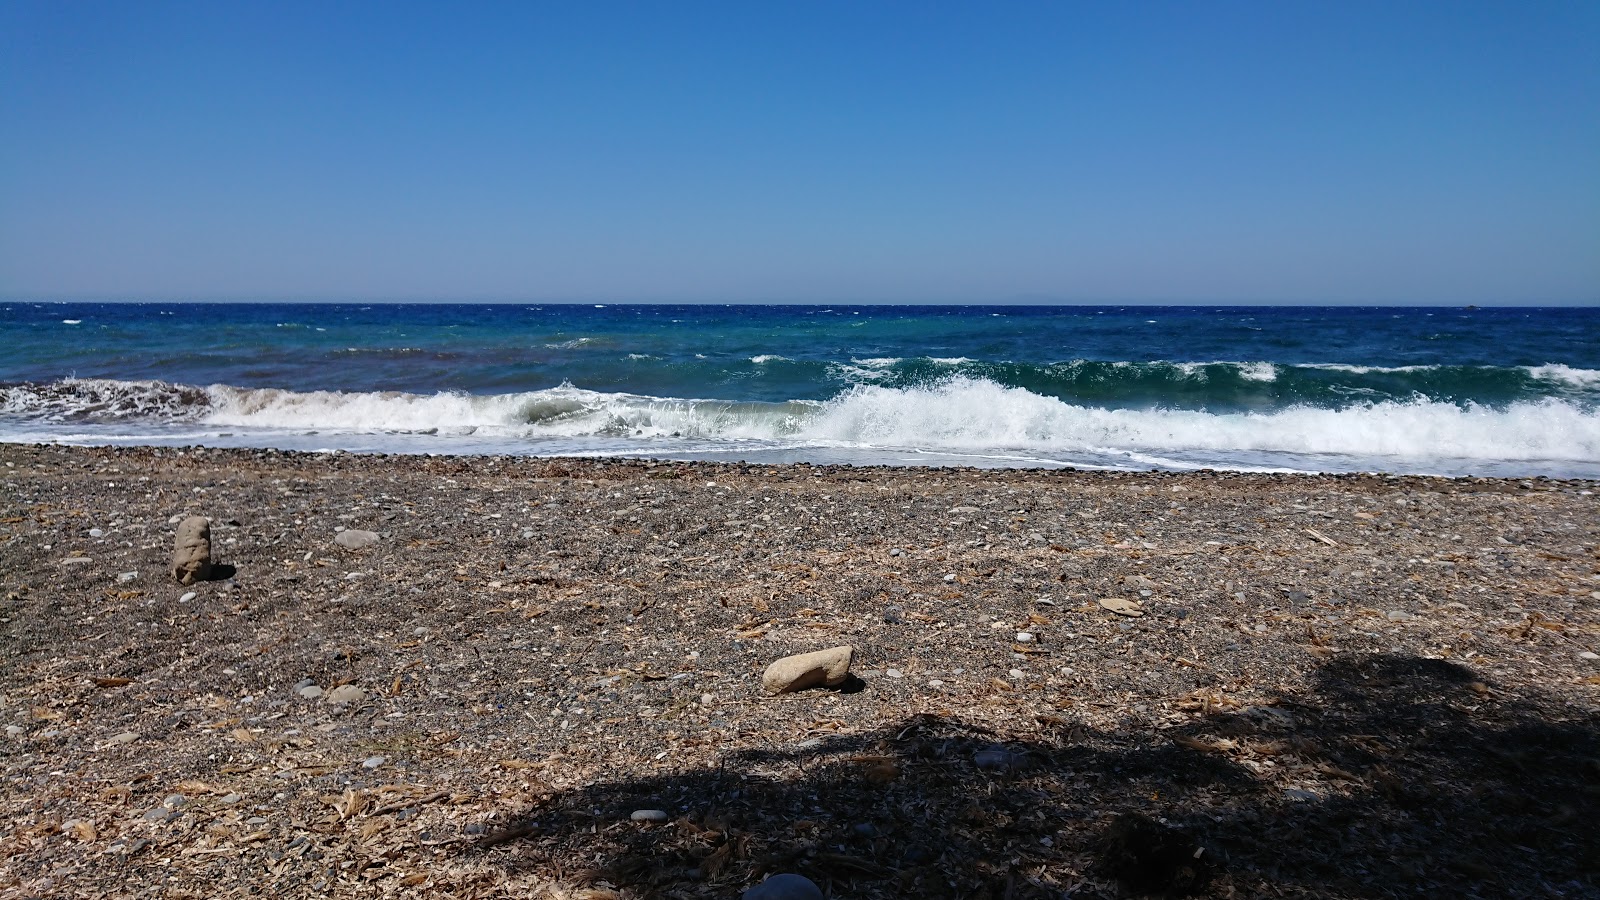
(191, 553)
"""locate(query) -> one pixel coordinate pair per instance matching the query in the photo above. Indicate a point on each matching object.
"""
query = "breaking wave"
(956, 414)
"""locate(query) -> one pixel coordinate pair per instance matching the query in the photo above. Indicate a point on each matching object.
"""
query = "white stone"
(356, 539)
(345, 693)
(649, 815)
(821, 667)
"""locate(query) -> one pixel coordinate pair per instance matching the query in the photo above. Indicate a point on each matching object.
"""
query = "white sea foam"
(765, 358)
(1361, 370)
(956, 415)
(72, 321)
(1584, 378)
(569, 345)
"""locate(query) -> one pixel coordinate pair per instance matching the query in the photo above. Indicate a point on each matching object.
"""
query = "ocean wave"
(1583, 378)
(957, 413)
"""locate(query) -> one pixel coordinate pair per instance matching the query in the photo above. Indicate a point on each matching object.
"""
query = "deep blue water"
(1453, 391)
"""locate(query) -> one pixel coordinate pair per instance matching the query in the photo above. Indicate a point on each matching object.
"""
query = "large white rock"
(191, 552)
(796, 673)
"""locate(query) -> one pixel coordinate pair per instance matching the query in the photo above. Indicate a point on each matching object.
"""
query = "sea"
(1444, 391)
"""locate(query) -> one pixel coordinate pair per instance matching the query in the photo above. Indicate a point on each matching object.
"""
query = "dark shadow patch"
(1392, 776)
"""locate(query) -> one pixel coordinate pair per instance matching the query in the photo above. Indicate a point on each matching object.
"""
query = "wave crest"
(957, 413)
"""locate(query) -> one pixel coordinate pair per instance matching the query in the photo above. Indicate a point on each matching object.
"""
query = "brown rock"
(191, 556)
(796, 673)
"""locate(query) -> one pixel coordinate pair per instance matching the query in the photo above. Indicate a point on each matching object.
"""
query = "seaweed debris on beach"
(496, 676)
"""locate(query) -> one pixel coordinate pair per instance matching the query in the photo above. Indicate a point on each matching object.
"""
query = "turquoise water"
(1447, 391)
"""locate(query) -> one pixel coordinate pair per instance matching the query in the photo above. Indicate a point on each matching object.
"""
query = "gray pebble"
(372, 762)
(787, 886)
(190, 595)
(998, 760)
(346, 693)
(355, 539)
(649, 815)
(309, 692)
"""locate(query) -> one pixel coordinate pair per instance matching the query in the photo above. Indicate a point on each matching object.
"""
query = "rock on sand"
(787, 886)
(355, 539)
(796, 673)
(191, 554)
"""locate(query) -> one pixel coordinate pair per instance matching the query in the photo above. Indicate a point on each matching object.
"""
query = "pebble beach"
(437, 676)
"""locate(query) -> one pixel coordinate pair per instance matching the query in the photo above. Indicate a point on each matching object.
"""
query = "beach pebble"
(893, 673)
(649, 815)
(173, 801)
(346, 693)
(1121, 607)
(787, 886)
(1396, 615)
(125, 737)
(795, 673)
(187, 596)
(998, 760)
(191, 551)
(1586, 654)
(950, 578)
(356, 539)
(76, 561)
(15, 731)
(372, 762)
(309, 692)
(893, 615)
(1024, 637)
(96, 533)
(125, 577)
(896, 551)
(230, 799)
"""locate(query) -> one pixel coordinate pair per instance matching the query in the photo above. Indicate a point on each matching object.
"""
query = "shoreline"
(1341, 684)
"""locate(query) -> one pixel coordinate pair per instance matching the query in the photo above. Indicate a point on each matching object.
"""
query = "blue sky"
(1350, 152)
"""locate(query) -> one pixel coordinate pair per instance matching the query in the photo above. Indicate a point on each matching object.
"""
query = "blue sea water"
(1503, 391)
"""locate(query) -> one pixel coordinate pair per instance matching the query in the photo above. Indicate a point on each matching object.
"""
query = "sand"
(1337, 686)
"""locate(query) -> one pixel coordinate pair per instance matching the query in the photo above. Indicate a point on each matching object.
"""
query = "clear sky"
(802, 151)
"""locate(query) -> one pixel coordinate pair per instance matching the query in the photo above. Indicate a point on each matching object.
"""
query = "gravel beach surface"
(515, 677)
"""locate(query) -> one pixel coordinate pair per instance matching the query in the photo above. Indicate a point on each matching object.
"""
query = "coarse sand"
(1083, 684)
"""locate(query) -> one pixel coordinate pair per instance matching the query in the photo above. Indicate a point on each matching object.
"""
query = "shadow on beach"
(1395, 776)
